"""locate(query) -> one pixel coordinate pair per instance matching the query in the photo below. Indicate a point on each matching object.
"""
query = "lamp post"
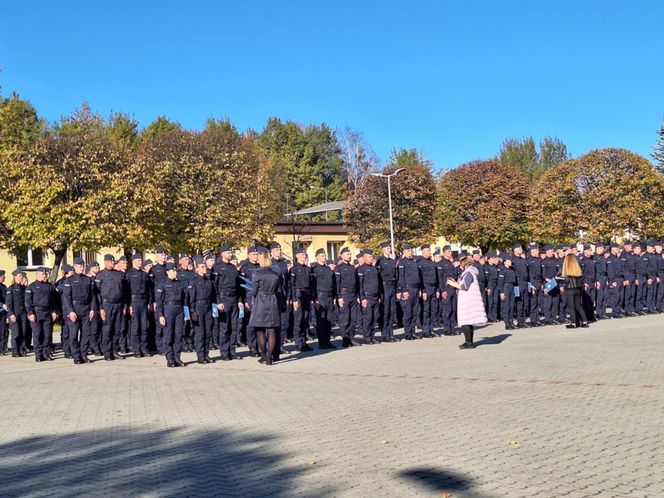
(389, 202)
(314, 187)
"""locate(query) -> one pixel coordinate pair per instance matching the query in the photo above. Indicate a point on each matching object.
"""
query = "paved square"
(541, 412)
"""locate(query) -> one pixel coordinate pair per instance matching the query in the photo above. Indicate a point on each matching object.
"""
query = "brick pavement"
(537, 412)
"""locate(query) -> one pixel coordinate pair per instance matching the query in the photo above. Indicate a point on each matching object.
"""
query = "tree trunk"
(59, 256)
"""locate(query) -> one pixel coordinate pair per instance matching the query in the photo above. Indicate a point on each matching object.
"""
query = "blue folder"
(550, 285)
(517, 291)
(187, 315)
(215, 310)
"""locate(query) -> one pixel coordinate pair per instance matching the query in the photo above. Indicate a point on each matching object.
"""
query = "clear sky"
(452, 79)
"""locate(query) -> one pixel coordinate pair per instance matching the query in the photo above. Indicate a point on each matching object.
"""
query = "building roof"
(321, 208)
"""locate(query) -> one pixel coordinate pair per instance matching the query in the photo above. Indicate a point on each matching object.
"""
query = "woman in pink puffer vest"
(470, 305)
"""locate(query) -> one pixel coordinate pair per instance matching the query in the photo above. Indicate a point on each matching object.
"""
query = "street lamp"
(314, 187)
(389, 202)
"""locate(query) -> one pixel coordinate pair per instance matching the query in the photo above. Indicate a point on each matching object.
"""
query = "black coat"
(268, 301)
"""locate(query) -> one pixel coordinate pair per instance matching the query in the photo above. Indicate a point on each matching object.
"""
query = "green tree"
(483, 203)
(522, 154)
(20, 126)
(160, 125)
(552, 151)
(658, 152)
(306, 157)
(604, 193)
(413, 200)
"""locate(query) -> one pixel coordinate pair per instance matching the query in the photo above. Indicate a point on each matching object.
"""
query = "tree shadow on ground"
(496, 339)
(141, 462)
(439, 480)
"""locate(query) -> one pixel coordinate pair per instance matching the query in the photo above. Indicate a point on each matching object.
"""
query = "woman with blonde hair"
(571, 276)
(470, 305)
(266, 313)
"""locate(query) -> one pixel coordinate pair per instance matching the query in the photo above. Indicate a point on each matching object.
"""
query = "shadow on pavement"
(439, 480)
(496, 339)
(139, 462)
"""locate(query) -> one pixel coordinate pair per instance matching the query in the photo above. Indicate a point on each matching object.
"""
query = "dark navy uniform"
(550, 269)
(601, 286)
(112, 289)
(140, 295)
(40, 298)
(409, 286)
(346, 288)
(64, 330)
(185, 275)
(507, 281)
(448, 296)
(534, 264)
(430, 288)
(641, 282)
(370, 289)
(4, 331)
(629, 272)
(520, 266)
(588, 279)
(323, 294)
(158, 276)
(616, 277)
(650, 300)
(300, 287)
(79, 297)
(228, 292)
(171, 297)
(492, 291)
(15, 302)
(660, 285)
(202, 296)
(388, 273)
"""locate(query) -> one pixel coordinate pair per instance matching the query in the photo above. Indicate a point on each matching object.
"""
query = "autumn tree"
(522, 154)
(658, 152)
(20, 126)
(604, 194)
(413, 201)
(483, 203)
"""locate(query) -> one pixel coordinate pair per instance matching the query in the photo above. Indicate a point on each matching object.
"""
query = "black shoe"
(78, 361)
(171, 364)
(509, 326)
(85, 359)
(202, 361)
(109, 357)
(225, 358)
(67, 356)
(584, 325)
(570, 326)
(305, 348)
(208, 359)
(137, 355)
(467, 345)
(448, 332)
(15, 355)
(283, 351)
(417, 336)
(262, 359)
(179, 362)
(346, 343)
(38, 359)
(235, 357)
(49, 357)
(124, 351)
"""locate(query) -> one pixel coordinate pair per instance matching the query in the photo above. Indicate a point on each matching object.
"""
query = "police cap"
(79, 261)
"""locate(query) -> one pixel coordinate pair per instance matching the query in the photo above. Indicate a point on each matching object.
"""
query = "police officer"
(121, 341)
(369, 289)
(140, 292)
(520, 266)
(615, 271)
(201, 298)
(588, 278)
(492, 292)
(91, 272)
(323, 295)
(186, 275)
(228, 292)
(660, 276)
(18, 318)
(629, 284)
(280, 267)
(507, 281)
(211, 273)
(652, 278)
(247, 269)
(409, 290)
(112, 290)
(447, 270)
(171, 297)
(158, 276)
(67, 271)
(79, 306)
(601, 286)
(640, 282)
(300, 287)
(534, 264)
(430, 290)
(387, 266)
(40, 299)
(4, 332)
(346, 288)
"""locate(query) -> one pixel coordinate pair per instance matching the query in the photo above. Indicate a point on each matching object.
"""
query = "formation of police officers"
(138, 307)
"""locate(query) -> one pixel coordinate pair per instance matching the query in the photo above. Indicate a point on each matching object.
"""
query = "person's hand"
(72, 316)
(399, 296)
(91, 314)
(649, 281)
(444, 295)
(489, 291)
(405, 295)
(32, 318)
(364, 303)
(546, 292)
(12, 318)
(247, 307)
(220, 306)
(586, 286)
(340, 302)
(317, 305)
(625, 283)
(596, 285)
(425, 296)
(636, 282)
(131, 311)
(162, 321)
(614, 284)
(296, 305)
(102, 314)
(502, 296)
(54, 316)
(194, 316)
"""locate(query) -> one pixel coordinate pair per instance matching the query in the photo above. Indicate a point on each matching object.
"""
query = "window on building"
(30, 258)
(333, 248)
(88, 256)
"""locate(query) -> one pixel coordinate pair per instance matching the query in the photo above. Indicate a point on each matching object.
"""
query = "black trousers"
(79, 331)
(19, 330)
(202, 328)
(228, 332)
(138, 326)
(324, 313)
(575, 306)
(111, 327)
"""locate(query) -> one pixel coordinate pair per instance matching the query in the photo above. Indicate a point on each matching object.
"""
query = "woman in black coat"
(571, 276)
(265, 314)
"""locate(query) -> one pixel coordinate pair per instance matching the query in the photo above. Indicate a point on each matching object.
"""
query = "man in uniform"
(112, 289)
(228, 292)
(122, 340)
(520, 266)
(388, 273)
(4, 332)
(615, 272)
(492, 291)
(40, 298)
(67, 271)
(429, 291)
(95, 324)
(140, 292)
(79, 306)
(447, 270)
(18, 318)
(171, 297)
(247, 269)
(323, 295)
(640, 282)
(588, 277)
(660, 276)
(550, 270)
(652, 281)
(186, 275)
(280, 267)
(346, 288)
(629, 272)
(201, 298)
(534, 264)
(300, 286)
(601, 286)
(369, 289)
(409, 290)
(158, 276)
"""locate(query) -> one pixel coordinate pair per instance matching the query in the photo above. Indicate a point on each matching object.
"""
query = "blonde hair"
(571, 266)
(465, 262)
(264, 260)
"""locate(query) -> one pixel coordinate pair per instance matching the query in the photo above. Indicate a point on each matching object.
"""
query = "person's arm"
(465, 282)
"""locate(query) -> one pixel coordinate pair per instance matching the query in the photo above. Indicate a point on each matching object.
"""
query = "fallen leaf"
(445, 495)
(312, 462)
(386, 442)
(513, 442)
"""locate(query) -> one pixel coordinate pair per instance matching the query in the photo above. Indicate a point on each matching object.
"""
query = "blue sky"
(453, 79)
